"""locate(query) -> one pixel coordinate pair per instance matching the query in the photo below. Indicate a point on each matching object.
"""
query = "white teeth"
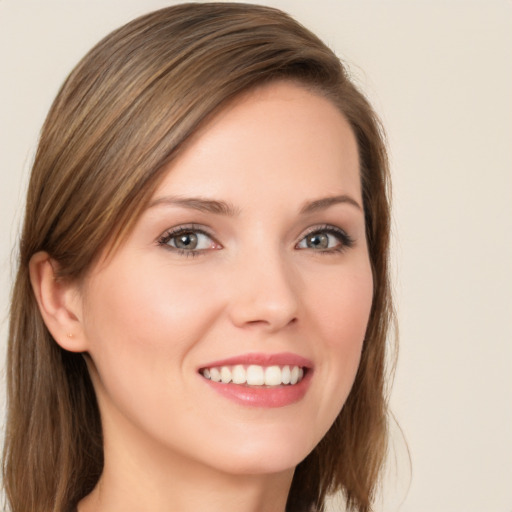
(294, 375)
(238, 374)
(273, 376)
(225, 375)
(215, 374)
(286, 375)
(255, 375)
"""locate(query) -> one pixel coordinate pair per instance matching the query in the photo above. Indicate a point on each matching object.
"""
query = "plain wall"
(440, 75)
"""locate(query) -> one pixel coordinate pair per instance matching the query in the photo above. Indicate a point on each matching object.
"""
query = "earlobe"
(59, 302)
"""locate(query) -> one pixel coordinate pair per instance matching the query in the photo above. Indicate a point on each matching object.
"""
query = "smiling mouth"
(255, 375)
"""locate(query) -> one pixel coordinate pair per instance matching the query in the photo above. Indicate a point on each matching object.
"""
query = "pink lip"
(267, 397)
(281, 359)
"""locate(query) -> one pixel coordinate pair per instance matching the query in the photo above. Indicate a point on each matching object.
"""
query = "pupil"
(320, 241)
(186, 241)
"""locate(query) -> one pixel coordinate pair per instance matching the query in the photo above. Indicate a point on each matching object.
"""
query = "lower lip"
(260, 396)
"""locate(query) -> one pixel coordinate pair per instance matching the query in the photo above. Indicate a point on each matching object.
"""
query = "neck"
(184, 494)
(139, 476)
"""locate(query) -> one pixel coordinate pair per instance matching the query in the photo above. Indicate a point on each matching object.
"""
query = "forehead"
(277, 137)
(270, 150)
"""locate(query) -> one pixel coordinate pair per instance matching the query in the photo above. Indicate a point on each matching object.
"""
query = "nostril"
(267, 322)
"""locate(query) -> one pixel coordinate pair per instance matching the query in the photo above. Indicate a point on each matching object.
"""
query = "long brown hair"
(122, 114)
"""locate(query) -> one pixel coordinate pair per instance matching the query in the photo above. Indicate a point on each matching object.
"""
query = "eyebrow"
(197, 203)
(326, 202)
(224, 208)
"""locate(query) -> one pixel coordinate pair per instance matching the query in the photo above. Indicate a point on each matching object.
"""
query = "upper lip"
(262, 359)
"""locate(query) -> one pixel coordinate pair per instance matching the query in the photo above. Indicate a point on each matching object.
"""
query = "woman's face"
(250, 264)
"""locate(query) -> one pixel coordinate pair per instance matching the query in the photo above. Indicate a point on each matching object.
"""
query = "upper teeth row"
(255, 375)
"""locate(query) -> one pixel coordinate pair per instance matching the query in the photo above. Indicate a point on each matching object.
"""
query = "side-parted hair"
(121, 116)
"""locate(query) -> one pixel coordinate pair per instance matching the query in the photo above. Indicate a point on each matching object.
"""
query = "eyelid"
(170, 233)
(346, 241)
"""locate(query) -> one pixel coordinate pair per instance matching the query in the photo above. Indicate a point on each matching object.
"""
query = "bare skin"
(254, 243)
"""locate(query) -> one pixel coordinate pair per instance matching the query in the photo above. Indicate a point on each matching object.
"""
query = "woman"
(200, 313)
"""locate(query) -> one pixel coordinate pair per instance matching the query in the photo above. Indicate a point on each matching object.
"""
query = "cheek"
(343, 307)
(141, 328)
(147, 308)
(341, 320)
(144, 323)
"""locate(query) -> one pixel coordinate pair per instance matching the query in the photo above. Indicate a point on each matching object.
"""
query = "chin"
(264, 454)
(260, 465)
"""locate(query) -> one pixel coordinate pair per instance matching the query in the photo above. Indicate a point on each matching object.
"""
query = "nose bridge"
(265, 287)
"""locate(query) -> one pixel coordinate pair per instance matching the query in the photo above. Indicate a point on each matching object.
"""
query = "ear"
(59, 301)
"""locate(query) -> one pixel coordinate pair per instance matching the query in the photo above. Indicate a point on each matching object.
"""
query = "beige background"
(440, 74)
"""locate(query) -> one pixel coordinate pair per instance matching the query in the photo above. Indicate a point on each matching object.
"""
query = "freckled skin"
(153, 316)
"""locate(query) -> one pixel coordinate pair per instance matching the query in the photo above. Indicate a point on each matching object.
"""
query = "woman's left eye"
(327, 239)
(188, 240)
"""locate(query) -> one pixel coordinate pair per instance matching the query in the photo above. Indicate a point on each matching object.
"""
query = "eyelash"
(346, 241)
(164, 240)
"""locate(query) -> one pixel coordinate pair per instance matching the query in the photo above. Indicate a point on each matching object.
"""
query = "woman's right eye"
(187, 240)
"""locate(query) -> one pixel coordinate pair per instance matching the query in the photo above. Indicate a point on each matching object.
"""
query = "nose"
(265, 293)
